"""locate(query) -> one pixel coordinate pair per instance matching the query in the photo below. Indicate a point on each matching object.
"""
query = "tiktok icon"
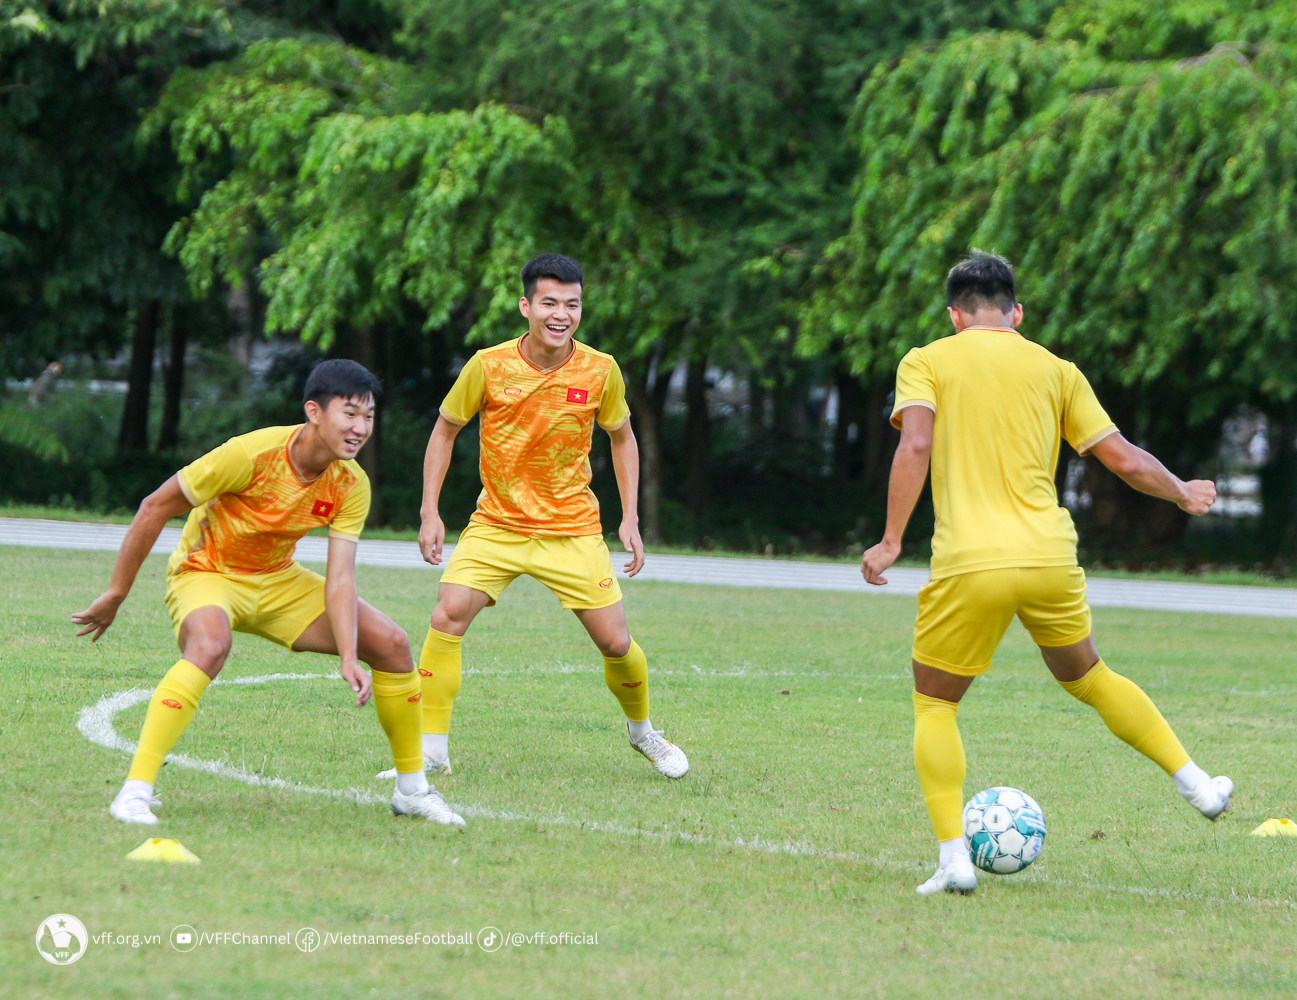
(490, 939)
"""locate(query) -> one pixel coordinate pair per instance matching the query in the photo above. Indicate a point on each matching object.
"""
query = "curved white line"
(95, 722)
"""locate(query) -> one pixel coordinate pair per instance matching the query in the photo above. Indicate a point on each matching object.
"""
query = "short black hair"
(550, 265)
(339, 378)
(981, 280)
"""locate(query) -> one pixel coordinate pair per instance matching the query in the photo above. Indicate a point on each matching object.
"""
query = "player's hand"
(629, 534)
(432, 535)
(98, 616)
(876, 561)
(1199, 495)
(358, 678)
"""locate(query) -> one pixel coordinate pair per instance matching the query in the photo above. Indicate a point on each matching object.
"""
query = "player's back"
(1002, 404)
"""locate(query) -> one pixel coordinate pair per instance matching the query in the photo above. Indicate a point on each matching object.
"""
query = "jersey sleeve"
(613, 410)
(226, 469)
(915, 384)
(349, 519)
(468, 393)
(1085, 422)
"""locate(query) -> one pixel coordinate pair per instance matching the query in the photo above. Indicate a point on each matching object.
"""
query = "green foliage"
(18, 429)
(344, 209)
(1147, 200)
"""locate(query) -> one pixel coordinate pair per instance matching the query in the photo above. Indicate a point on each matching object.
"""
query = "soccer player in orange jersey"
(539, 398)
(249, 502)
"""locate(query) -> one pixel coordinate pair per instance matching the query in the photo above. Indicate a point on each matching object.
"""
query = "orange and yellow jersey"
(250, 506)
(536, 430)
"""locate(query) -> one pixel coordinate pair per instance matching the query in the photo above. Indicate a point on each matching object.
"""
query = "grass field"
(783, 866)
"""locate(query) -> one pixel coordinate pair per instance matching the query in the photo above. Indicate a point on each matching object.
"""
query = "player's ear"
(1017, 315)
(313, 411)
(524, 306)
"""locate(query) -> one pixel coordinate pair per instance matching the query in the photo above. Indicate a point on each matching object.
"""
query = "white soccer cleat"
(959, 876)
(427, 803)
(132, 807)
(668, 758)
(430, 766)
(1211, 798)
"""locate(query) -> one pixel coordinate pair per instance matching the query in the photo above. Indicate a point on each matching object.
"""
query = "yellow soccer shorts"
(963, 618)
(276, 606)
(577, 568)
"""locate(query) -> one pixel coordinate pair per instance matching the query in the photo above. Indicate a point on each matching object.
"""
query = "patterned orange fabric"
(535, 435)
(250, 507)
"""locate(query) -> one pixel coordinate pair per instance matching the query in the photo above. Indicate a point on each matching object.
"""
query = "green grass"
(690, 891)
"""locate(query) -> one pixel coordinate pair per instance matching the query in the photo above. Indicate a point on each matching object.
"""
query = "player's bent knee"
(615, 649)
(207, 653)
(446, 620)
(387, 647)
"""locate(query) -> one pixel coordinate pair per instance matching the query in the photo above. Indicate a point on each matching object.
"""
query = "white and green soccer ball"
(1004, 829)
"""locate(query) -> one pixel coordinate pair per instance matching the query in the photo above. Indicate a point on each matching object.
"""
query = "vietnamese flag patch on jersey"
(578, 395)
(322, 508)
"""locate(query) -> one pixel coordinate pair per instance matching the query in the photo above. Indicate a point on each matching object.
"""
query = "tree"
(1138, 168)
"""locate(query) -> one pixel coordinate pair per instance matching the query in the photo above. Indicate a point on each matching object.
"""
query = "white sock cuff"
(137, 787)
(411, 782)
(1189, 777)
(950, 850)
(638, 730)
(437, 746)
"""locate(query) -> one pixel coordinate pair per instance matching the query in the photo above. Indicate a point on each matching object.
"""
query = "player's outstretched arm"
(166, 502)
(625, 463)
(436, 460)
(1145, 473)
(340, 601)
(909, 471)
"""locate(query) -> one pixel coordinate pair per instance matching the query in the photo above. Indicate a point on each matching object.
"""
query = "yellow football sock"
(397, 697)
(627, 678)
(939, 759)
(174, 702)
(1130, 714)
(441, 670)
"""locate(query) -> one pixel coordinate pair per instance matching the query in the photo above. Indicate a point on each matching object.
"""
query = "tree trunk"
(1278, 529)
(647, 410)
(173, 385)
(849, 434)
(697, 437)
(134, 432)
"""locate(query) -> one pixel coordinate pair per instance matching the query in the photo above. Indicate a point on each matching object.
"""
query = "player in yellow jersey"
(988, 407)
(249, 502)
(539, 398)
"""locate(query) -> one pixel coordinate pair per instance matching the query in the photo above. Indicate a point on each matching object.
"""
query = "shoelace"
(655, 743)
(431, 793)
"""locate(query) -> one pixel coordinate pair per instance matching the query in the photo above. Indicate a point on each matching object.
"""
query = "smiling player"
(250, 501)
(540, 397)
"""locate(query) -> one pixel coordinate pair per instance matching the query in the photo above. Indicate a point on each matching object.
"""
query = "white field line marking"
(95, 722)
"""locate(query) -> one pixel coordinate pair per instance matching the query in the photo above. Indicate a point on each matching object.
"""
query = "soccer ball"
(1004, 829)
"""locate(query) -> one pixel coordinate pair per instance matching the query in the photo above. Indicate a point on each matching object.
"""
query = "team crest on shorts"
(605, 584)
